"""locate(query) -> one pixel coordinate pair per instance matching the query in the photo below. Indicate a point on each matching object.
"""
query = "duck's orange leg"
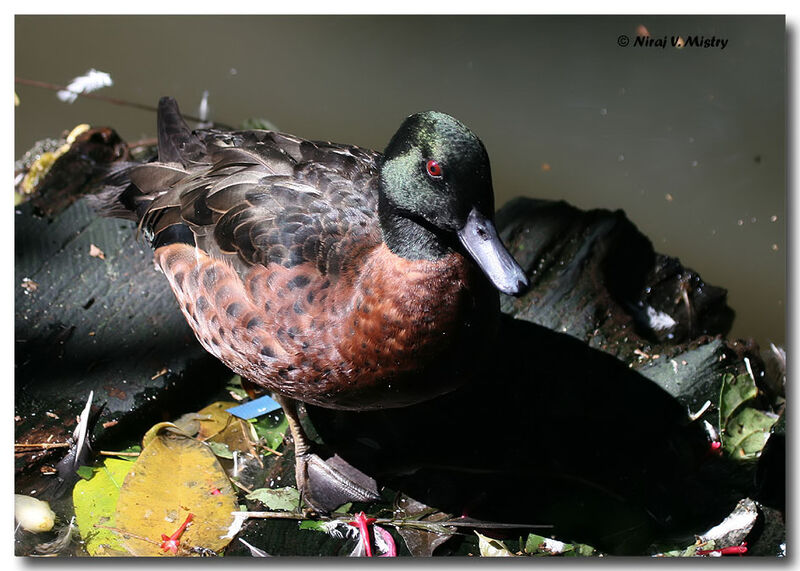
(325, 484)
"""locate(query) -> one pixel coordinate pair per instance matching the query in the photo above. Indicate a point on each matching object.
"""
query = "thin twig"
(112, 100)
(151, 142)
(240, 485)
(458, 523)
(402, 522)
(268, 449)
(43, 445)
(110, 453)
(276, 515)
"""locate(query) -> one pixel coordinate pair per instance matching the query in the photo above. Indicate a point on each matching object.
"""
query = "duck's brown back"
(260, 197)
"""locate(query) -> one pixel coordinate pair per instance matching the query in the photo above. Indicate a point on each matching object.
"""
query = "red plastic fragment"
(732, 550)
(170, 542)
(362, 522)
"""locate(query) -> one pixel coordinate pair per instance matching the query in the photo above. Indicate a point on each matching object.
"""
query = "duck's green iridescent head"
(436, 192)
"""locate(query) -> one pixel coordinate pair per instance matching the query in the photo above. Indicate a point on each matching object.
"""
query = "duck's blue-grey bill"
(480, 239)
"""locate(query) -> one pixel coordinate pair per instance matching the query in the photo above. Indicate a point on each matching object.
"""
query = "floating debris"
(33, 514)
(29, 286)
(96, 252)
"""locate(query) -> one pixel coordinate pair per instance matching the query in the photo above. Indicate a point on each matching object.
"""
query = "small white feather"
(92, 81)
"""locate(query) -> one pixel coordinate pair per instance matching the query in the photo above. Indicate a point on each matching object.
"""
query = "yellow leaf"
(175, 475)
(218, 419)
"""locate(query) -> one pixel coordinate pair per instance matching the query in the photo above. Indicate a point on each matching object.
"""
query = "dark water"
(689, 142)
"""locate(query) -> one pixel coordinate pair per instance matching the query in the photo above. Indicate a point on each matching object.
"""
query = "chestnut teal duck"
(328, 273)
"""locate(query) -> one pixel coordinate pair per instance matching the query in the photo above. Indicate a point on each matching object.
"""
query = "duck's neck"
(410, 239)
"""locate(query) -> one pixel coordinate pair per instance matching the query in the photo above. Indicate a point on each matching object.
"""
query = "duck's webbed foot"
(325, 483)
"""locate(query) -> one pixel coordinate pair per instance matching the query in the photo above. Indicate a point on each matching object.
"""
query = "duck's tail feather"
(176, 141)
(119, 198)
(144, 193)
(124, 198)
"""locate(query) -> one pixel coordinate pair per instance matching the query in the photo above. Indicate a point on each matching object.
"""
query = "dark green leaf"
(747, 432)
(220, 450)
(314, 525)
(344, 508)
(287, 499)
(734, 393)
(271, 428)
(745, 429)
(85, 472)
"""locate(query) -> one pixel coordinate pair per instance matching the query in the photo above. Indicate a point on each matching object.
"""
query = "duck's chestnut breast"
(389, 332)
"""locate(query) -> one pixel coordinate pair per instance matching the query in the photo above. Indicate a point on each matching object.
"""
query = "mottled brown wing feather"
(260, 197)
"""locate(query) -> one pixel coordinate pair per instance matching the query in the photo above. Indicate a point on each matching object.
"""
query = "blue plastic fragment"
(254, 408)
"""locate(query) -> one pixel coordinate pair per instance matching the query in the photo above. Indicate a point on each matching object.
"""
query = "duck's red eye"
(434, 169)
